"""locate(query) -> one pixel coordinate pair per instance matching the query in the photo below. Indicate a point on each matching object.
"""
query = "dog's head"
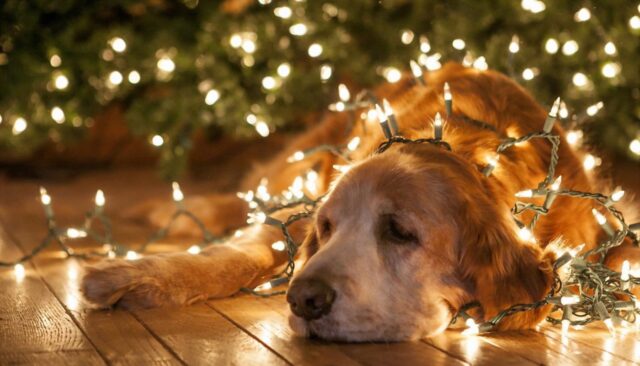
(406, 238)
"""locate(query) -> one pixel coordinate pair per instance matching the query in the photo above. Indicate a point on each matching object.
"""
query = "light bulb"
(157, 140)
(177, 194)
(278, 245)
(296, 156)
(57, 114)
(458, 44)
(354, 143)
(100, 200)
(514, 46)
(212, 97)
(134, 77)
(343, 93)
(118, 44)
(194, 249)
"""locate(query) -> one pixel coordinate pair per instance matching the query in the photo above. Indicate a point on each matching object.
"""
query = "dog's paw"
(121, 283)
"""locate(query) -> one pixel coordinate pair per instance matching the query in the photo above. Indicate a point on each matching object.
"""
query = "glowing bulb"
(100, 200)
(298, 29)
(44, 197)
(157, 140)
(564, 112)
(61, 82)
(194, 249)
(283, 12)
(480, 64)
(382, 117)
(57, 114)
(19, 272)
(528, 74)
(343, 93)
(284, 69)
(458, 44)
(525, 234)
(166, 64)
(212, 97)
(599, 217)
(406, 36)
(297, 156)
(525, 194)
(115, 78)
(534, 6)
(134, 77)
(574, 137)
(447, 92)
(570, 47)
(624, 275)
(264, 287)
(55, 61)
(19, 126)
(315, 50)
(132, 255)
(416, 70)
(248, 45)
(262, 129)
(592, 110)
(392, 74)
(388, 110)
(325, 72)
(565, 325)
(514, 46)
(177, 194)
(610, 69)
(354, 143)
(610, 48)
(590, 162)
(425, 46)
(74, 233)
(556, 184)
(580, 80)
(551, 46)
(269, 82)
(279, 246)
(430, 62)
(634, 146)
(118, 44)
(634, 22)
(235, 40)
(569, 300)
(582, 15)
(472, 327)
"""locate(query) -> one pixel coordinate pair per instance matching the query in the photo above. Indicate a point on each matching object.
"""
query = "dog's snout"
(310, 299)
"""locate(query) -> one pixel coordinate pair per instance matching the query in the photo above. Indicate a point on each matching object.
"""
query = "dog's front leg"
(182, 278)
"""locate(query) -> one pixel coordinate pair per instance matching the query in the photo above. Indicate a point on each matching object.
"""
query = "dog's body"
(404, 238)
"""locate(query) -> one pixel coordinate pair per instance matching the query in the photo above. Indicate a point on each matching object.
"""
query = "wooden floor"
(44, 320)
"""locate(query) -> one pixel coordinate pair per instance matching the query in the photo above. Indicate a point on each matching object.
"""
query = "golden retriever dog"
(402, 239)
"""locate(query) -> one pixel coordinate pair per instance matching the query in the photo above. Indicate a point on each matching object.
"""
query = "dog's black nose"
(310, 299)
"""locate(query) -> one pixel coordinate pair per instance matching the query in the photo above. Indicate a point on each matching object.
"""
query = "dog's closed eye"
(393, 230)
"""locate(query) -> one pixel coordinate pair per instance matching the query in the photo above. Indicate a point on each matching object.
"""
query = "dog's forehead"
(390, 181)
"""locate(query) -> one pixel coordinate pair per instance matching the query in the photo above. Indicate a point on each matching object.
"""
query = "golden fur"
(462, 242)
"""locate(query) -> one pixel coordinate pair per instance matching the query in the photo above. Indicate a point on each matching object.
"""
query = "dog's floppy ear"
(503, 269)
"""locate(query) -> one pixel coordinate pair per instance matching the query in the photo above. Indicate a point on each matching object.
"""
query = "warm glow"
(599, 217)
(61, 82)
(480, 64)
(325, 72)
(315, 50)
(425, 46)
(458, 44)
(157, 140)
(298, 29)
(269, 82)
(166, 64)
(296, 156)
(610, 69)
(590, 162)
(343, 93)
(354, 143)
(570, 300)
(610, 48)
(525, 194)
(525, 234)
(278, 245)
(592, 110)
(392, 74)
(194, 249)
(118, 44)
(212, 97)
(617, 194)
(55, 60)
(624, 273)
(447, 92)
(416, 69)
(570, 47)
(100, 199)
(514, 46)
(134, 77)
(57, 114)
(44, 197)
(406, 36)
(551, 46)
(19, 126)
(582, 15)
(115, 78)
(132, 255)
(19, 272)
(573, 137)
(634, 146)
(283, 12)
(580, 80)
(262, 129)
(265, 286)
(177, 194)
(556, 184)
(284, 69)
(73, 233)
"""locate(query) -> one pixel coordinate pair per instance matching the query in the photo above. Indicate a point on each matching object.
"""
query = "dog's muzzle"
(310, 298)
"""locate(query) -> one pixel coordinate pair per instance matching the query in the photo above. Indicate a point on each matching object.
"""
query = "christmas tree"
(248, 68)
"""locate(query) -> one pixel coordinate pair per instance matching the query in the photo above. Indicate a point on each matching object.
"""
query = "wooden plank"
(277, 332)
(257, 317)
(539, 348)
(623, 345)
(117, 335)
(33, 324)
(68, 357)
(474, 350)
(199, 335)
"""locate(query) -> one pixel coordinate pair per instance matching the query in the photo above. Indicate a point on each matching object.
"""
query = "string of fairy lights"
(589, 291)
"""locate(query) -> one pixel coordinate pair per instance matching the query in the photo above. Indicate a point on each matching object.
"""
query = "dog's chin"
(327, 329)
